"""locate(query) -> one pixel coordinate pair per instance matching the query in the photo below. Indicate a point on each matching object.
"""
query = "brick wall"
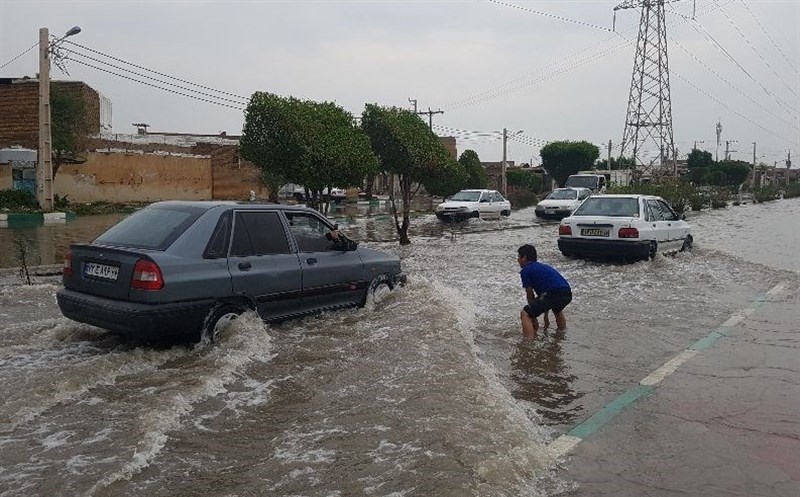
(19, 110)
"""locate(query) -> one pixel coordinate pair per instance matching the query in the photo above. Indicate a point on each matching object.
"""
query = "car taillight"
(147, 276)
(628, 233)
(66, 271)
(565, 229)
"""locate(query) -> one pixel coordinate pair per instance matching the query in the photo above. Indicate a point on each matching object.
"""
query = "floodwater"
(429, 391)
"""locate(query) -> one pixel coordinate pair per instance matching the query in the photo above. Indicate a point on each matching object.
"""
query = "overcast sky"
(554, 69)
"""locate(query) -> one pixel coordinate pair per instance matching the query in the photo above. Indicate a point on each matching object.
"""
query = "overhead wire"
(20, 55)
(772, 40)
(241, 100)
(750, 44)
(158, 87)
(553, 16)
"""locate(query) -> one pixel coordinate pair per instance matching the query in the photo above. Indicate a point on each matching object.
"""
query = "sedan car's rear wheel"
(653, 250)
(505, 213)
(687, 243)
(218, 320)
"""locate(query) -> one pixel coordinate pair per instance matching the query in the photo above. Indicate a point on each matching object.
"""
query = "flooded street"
(428, 392)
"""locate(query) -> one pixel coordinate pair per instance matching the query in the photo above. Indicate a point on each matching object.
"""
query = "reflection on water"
(542, 376)
(49, 243)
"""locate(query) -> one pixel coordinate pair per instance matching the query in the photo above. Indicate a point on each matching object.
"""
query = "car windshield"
(151, 228)
(563, 195)
(608, 206)
(582, 181)
(466, 196)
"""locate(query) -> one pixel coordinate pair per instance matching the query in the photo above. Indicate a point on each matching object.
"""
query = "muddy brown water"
(429, 391)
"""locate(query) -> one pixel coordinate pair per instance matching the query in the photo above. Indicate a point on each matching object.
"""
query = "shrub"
(17, 199)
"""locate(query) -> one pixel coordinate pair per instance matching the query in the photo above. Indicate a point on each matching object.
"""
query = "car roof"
(625, 195)
(477, 190)
(212, 204)
(572, 188)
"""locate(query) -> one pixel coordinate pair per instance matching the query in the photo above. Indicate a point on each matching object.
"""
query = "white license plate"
(101, 271)
(595, 232)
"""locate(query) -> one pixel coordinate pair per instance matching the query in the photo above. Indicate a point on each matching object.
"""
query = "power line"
(697, 27)
(747, 41)
(553, 16)
(772, 40)
(141, 75)
(20, 55)
(155, 72)
(158, 87)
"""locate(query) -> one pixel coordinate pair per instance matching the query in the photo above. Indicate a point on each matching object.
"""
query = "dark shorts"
(555, 300)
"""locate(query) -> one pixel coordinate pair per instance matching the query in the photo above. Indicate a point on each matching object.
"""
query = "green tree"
(616, 163)
(451, 181)
(564, 158)
(70, 128)
(477, 177)
(524, 179)
(315, 144)
(699, 175)
(699, 158)
(407, 148)
(735, 172)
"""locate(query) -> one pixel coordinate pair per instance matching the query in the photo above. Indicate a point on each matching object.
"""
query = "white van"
(594, 182)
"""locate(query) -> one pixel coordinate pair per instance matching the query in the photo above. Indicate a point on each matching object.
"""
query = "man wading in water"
(546, 290)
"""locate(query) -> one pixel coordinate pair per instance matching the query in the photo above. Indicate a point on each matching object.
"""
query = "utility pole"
(728, 150)
(753, 180)
(44, 165)
(430, 112)
(719, 132)
(610, 145)
(504, 162)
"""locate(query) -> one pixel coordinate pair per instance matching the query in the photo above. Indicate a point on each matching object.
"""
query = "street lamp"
(504, 158)
(44, 165)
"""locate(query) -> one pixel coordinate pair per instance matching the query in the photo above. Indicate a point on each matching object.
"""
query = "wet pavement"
(726, 422)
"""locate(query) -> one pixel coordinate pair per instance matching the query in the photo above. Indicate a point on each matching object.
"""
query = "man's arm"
(530, 295)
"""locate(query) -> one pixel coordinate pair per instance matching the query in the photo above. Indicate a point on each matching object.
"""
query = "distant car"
(561, 202)
(189, 268)
(465, 204)
(594, 182)
(623, 226)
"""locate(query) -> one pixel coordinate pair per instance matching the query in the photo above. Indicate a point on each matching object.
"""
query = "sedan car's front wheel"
(687, 243)
(378, 289)
(218, 320)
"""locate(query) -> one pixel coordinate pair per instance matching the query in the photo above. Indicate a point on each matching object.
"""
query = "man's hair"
(529, 252)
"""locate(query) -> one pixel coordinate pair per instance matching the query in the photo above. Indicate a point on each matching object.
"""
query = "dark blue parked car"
(189, 268)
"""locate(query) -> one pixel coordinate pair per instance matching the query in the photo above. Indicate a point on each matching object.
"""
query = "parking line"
(566, 443)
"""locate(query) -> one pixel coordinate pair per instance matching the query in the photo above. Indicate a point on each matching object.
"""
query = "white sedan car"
(561, 202)
(623, 226)
(465, 204)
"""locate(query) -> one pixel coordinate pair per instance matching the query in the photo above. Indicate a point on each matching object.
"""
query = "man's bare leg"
(529, 326)
(561, 320)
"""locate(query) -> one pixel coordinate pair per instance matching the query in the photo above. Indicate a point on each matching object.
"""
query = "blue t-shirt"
(542, 278)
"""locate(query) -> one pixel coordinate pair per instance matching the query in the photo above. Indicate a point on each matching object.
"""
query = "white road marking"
(668, 368)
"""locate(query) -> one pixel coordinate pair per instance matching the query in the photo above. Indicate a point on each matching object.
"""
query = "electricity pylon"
(648, 123)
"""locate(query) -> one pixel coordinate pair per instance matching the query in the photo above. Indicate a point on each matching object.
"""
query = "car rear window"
(151, 228)
(608, 206)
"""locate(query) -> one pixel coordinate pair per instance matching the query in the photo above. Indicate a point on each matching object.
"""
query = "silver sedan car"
(188, 268)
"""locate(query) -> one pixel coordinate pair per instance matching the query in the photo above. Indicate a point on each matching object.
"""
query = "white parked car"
(465, 204)
(623, 226)
(561, 202)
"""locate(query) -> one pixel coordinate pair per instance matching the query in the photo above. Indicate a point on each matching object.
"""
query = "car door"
(499, 202)
(262, 264)
(330, 278)
(659, 225)
(487, 209)
(676, 232)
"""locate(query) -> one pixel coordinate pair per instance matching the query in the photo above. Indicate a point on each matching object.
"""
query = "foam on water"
(244, 342)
